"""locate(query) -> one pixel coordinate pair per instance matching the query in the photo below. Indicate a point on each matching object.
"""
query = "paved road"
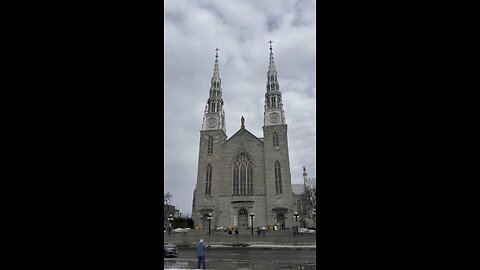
(245, 258)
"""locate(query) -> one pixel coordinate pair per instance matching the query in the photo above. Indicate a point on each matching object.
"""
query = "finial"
(304, 171)
(216, 53)
(270, 44)
(242, 120)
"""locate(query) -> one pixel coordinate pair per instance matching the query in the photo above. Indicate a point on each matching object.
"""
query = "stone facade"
(243, 174)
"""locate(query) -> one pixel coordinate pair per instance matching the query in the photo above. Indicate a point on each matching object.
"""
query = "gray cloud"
(241, 29)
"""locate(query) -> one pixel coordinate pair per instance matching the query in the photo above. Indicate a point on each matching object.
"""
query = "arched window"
(275, 140)
(242, 175)
(278, 177)
(208, 181)
(210, 144)
(271, 77)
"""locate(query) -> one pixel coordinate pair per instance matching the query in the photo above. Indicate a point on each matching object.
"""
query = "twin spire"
(214, 116)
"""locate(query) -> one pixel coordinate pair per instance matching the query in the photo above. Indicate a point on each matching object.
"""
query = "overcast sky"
(241, 30)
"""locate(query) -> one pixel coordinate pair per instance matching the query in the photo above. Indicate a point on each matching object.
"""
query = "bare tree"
(167, 197)
(310, 197)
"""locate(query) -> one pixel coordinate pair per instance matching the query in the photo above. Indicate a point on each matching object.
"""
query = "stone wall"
(222, 238)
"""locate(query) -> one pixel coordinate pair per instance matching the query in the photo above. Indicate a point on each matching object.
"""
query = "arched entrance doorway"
(281, 221)
(243, 219)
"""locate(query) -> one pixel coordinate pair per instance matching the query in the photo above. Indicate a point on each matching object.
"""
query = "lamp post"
(251, 217)
(296, 222)
(209, 217)
(170, 219)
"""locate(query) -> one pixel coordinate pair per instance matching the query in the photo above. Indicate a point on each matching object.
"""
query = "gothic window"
(208, 182)
(275, 140)
(210, 144)
(249, 180)
(272, 87)
(278, 178)
(271, 77)
(242, 175)
(236, 187)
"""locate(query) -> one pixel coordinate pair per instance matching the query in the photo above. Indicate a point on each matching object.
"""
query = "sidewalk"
(260, 246)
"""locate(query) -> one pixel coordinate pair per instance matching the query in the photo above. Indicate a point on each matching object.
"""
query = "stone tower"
(212, 136)
(277, 161)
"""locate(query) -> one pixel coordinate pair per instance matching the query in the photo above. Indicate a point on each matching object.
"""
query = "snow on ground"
(269, 246)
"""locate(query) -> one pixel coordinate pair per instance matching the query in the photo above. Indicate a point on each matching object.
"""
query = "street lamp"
(170, 219)
(209, 217)
(296, 222)
(251, 217)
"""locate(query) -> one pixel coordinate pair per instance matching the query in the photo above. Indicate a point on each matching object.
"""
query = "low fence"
(223, 238)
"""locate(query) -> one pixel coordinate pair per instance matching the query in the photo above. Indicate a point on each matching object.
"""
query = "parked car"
(169, 249)
(182, 230)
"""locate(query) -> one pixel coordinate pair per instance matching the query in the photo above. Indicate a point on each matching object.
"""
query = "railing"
(223, 238)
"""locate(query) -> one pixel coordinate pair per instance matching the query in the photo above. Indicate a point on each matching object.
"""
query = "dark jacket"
(201, 249)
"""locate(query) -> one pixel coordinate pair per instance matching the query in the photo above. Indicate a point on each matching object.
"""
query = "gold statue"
(243, 121)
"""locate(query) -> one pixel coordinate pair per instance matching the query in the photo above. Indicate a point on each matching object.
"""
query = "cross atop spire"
(216, 53)
(271, 66)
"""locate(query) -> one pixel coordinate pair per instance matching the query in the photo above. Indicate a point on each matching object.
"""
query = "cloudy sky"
(241, 29)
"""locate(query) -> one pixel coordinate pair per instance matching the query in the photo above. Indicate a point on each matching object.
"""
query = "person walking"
(201, 254)
(236, 233)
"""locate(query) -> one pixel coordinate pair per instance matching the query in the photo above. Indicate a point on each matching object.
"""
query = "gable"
(241, 135)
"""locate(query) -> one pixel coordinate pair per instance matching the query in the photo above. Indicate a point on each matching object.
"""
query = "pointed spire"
(215, 88)
(273, 97)
(271, 65)
(214, 116)
(216, 74)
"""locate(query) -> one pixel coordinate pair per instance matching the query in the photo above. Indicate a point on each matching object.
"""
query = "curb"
(244, 245)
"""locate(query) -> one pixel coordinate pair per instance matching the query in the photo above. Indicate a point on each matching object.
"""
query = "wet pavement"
(245, 258)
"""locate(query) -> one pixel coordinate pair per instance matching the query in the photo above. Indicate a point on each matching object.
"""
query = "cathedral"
(243, 174)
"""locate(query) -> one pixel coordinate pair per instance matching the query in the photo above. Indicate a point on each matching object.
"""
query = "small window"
(210, 144)
(275, 140)
(278, 177)
(208, 181)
